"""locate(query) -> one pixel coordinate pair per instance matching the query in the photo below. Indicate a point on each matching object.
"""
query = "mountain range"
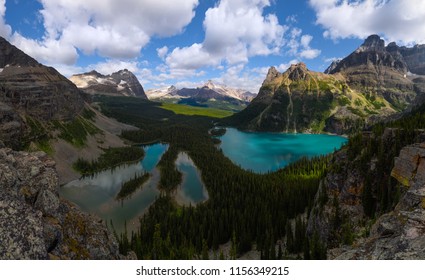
(120, 83)
(371, 84)
(207, 95)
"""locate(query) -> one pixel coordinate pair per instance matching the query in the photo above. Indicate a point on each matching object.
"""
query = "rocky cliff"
(28, 88)
(11, 125)
(399, 234)
(373, 52)
(35, 89)
(361, 211)
(382, 71)
(123, 82)
(35, 223)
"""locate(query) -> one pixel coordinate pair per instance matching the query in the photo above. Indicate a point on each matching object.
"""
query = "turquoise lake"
(260, 152)
(97, 194)
(263, 152)
(192, 190)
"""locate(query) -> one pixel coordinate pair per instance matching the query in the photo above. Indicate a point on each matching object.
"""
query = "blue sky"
(188, 42)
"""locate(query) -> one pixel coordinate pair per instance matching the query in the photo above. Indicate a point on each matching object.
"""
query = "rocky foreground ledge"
(399, 234)
(36, 224)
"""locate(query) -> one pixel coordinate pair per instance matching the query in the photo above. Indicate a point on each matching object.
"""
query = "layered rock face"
(400, 234)
(35, 223)
(415, 58)
(34, 89)
(11, 125)
(28, 88)
(122, 82)
(382, 70)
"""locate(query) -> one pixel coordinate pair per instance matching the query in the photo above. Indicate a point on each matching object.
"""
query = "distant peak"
(123, 72)
(93, 73)
(209, 84)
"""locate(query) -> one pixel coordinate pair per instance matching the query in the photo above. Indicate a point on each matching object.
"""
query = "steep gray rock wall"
(415, 58)
(35, 223)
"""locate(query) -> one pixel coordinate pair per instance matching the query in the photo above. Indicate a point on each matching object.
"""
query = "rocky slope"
(399, 234)
(303, 100)
(28, 88)
(123, 82)
(11, 125)
(369, 85)
(35, 223)
(359, 188)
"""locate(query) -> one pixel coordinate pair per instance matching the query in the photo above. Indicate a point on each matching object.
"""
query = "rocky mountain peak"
(12, 56)
(209, 84)
(297, 71)
(93, 73)
(271, 75)
(122, 82)
(372, 43)
(370, 56)
(392, 47)
(332, 67)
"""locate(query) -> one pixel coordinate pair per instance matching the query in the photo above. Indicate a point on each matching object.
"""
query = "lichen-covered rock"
(407, 164)
(10, 125)
(35, 223)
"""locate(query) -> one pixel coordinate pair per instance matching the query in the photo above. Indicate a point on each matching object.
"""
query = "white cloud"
(162, 52)
(284, 66)
(292, 19)
(5, 29)
(193, 57)
(188, 84)
(300, 45)
(49, 50)
(309, 53)
(305, 41)
(113, 29)
(402, 21)
(111, 66)
(242, 77)
(235, 30)
(68, 70)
